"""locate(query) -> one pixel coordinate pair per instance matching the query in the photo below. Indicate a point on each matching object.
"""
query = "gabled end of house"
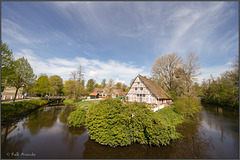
(145, 90)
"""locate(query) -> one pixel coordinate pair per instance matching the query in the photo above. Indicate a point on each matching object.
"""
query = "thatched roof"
(153, 87)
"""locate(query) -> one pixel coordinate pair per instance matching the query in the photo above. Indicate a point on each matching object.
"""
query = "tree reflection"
(194, 144)
(71, 135)
(41, 119)
(65, 113)
(13, 145)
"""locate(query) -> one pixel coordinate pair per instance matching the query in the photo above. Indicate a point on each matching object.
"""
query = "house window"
(143, 95)
(141, 88)
(138, 95)
(136, 88)
(138, 82)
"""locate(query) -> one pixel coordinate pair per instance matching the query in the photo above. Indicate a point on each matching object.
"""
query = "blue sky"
(120, 39)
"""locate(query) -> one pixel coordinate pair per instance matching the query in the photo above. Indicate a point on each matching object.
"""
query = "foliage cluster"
(10, 111)
(69, 102)
(7, 61)
(187, 106)
(48, 86)
(112, 122)
(223, 90)
(77, 118)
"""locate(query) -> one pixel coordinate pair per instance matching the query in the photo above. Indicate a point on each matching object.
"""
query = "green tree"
(69, 87)
(90, 86)
(118, 85)
(41, 87)
(223, 90)
(56, 85)
(103, 83)
(96, 85)
(23, 75)
(7, 62)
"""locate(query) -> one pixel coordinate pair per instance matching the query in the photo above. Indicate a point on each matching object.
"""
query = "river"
(212, 133)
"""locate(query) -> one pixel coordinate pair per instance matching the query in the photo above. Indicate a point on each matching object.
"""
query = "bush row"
(10, 111)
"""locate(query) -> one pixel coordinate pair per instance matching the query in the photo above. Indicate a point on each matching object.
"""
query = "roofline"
(152, 92)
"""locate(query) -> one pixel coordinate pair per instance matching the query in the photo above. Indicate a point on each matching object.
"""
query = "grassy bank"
(10, 112)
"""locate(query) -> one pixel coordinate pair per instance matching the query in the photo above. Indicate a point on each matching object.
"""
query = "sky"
(119, 40)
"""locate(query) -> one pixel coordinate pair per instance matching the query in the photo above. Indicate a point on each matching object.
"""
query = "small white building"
(148, 91)
(9, 93)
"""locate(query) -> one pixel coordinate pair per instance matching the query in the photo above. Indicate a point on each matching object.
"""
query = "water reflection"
(222, 125)
(211, 134)
(72, 135)
(65, 113)
(13, 145)
(192, 145)
(42, 118)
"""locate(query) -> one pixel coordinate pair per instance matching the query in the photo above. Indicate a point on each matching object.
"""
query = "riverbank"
(11, 112)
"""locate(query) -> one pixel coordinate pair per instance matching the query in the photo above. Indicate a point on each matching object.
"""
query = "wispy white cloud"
(215, 71)
(134, 30)
(93, 68)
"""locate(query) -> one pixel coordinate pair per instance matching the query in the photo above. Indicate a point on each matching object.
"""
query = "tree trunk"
(14, 98)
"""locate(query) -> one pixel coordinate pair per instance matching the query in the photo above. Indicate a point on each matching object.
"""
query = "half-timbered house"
(145, 90)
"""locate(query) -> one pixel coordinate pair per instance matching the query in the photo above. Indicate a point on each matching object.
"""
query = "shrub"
(169, 115)
(77, 118)
(187, 106)
(10, 111)
(69, 102)
(107, 123)
(111, 122)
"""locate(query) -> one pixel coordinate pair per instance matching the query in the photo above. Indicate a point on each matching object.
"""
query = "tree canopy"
(7, 64)
(90, 86)
(23, 75)
(56, 85)
(176, 75)
(42, 86)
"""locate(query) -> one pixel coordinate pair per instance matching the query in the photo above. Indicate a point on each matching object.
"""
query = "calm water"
(213, 133)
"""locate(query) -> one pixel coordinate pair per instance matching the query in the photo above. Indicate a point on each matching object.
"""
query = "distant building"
(117, 93)
(145, 90)
(100, 91)
(94, 95)
(113, 93)
(9, 93)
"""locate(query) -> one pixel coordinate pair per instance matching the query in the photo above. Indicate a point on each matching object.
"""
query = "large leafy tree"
(56, 85)
(23, 75)
(223, 90)
(7, 64)
(69, 87)
(103, 83)
(41, 87)
(176, 75)
(90, 86)
(164, 69)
